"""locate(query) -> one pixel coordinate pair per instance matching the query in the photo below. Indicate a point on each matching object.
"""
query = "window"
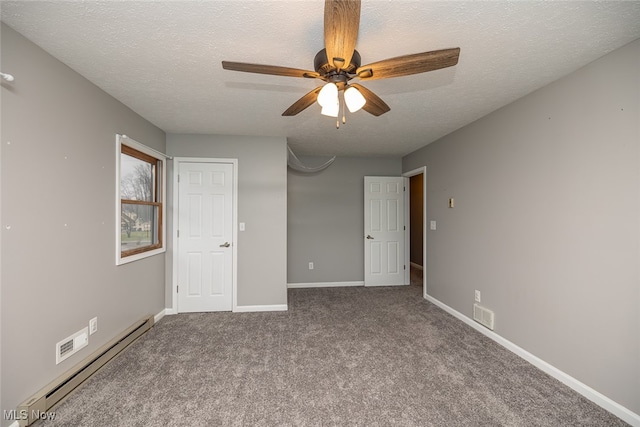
(140, 210)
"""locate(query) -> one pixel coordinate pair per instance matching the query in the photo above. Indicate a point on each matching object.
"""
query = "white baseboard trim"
(418, 266)
(323, 285)
(255, 308)
(591, 394)
(162, 313)
(159, 316)
(14, 424)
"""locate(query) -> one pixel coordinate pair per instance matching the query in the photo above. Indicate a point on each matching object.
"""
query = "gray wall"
(326, 218)
(546, 222)
(262, 205)
(58, 198)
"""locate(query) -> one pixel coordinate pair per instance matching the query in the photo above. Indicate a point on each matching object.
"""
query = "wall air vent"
(483, 315)
(71, 345)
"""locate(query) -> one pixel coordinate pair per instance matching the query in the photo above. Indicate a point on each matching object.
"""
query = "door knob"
(369, 236)
(225, 245)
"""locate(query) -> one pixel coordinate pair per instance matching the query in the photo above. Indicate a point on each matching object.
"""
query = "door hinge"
(404, 227)
(178, 233)
(178, 289)
(178, 177)
(404, 267)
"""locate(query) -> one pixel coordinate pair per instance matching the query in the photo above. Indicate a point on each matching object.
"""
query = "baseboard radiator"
(59, 388)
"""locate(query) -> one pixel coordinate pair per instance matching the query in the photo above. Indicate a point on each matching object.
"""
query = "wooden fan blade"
(303, 102)
(268, 69)
(341, 23)
(409, 64)
(374, 105)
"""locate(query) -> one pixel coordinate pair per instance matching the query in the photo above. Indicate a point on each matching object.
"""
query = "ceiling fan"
(338, 63)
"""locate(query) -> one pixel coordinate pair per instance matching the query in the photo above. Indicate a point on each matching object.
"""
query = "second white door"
(205, 255)
(384, 231)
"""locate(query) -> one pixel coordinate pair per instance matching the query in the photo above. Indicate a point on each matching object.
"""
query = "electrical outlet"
(310, 266)
(93, 326)
(478, 296)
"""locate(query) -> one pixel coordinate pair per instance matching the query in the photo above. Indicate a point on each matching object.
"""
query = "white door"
(384, 231)
(205, 224)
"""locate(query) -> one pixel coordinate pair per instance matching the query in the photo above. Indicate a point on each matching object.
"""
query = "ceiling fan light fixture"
(331, 110)
(354, 99)
(328, 95)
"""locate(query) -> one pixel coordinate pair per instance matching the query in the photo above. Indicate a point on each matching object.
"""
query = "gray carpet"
(338, 357)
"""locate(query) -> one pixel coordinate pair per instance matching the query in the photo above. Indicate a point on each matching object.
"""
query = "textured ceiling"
(163, 60)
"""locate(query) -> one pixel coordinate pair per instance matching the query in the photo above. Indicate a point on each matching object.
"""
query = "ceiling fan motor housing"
(332, 74)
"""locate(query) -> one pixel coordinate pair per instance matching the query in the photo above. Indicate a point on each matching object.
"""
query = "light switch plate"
(432, 225)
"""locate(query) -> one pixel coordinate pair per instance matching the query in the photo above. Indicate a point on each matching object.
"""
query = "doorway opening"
(416, 207)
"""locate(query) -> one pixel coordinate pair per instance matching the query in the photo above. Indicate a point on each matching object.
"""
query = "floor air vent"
(56, 390)
(483, 315)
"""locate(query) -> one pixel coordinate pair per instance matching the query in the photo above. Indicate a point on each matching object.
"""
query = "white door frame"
(422, 170)
(174, 231)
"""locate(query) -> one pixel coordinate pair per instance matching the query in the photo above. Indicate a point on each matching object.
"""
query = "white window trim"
(125, 140)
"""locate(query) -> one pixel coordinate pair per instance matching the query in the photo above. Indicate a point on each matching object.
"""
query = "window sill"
(137, 257)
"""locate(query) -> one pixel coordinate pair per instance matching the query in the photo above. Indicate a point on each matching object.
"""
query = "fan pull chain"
(344, 118)
(344, 113)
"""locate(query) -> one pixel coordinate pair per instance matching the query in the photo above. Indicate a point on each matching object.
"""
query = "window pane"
(138, 226)
(136, 179)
